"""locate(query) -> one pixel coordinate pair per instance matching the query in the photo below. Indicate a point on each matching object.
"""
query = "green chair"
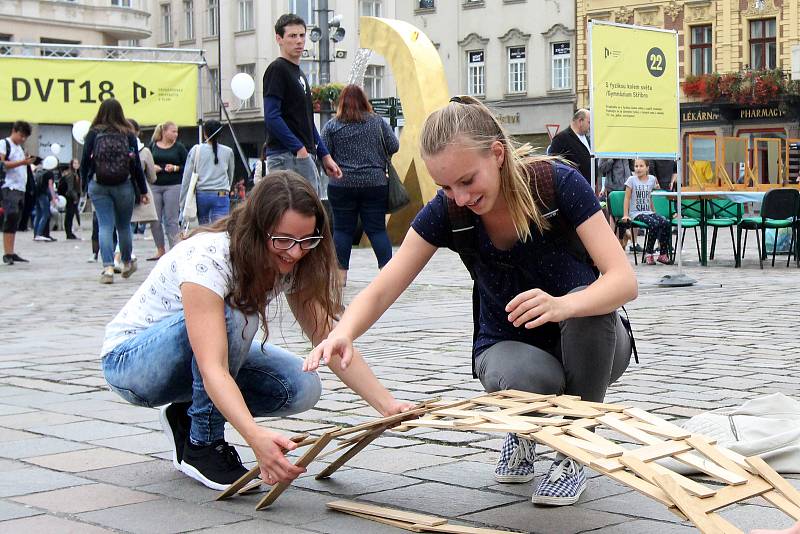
(690, 218)
(778, 210)
(616, 200)
(721, 213)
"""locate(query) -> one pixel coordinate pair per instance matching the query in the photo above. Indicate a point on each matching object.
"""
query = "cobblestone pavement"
(76, 458)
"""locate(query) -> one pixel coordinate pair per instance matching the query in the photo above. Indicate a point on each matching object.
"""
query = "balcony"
(127, 20)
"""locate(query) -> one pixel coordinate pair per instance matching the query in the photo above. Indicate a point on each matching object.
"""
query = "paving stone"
(136, 475)
(526, 517)
(87, 460)
(340, 522)
(390, 461)
(84, 498)
(10, 510)
(48, 523)
(467, 474)
(10, 465)
(165, 515)
(440, 499)
(643, 525)
(149, 443)
(441, 450)
(89, 430)
(37, 419)
(355, 482)
(35, 479)
(39, 446)
(254, 526)
(8, 434)
(632, 504)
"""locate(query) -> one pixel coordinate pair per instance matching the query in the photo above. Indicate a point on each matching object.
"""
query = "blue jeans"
(158, 367)
(211, 206)
(41, 214)
(113, 205)
(369, 203)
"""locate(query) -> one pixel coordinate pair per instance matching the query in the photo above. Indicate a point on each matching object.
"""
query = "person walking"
(44, 180)
(187, 337)
(214, 165)
(169, 156)
(69, 186)
(362, 143)
(292, 138)
(15, 163)
(549, 277)
(110, 164)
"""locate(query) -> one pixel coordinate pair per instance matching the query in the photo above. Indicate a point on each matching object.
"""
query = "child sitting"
(639, 207)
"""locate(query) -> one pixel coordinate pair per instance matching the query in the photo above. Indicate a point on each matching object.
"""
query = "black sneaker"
(8, 259)
(17, 257)
(216, 466)
(175, 422)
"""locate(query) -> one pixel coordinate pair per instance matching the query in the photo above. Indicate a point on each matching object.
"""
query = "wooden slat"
(386, 521)
(304, 460)
(783, 503)
(606, 465)
(524, 395)
(662, 431)
(355, 449)
(649, 472)
(616, 422)
(450, 528)
(609, 448)
(577, 406)
(687, 505)
(648, 453)
(704, 446)
(728, 495)
(777, 481)
(389, 513)
(592, 447)
(606, 407)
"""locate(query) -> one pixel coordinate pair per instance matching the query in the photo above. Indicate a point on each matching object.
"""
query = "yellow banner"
(63, 91)
(634, 73)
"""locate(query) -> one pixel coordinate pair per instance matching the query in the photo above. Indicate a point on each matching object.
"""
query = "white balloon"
(55, 149)
(243, 86)
(80, 129)
(50, 163)
(62, 202)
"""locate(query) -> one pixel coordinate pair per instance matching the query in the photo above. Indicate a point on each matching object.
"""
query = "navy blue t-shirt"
(540, 262)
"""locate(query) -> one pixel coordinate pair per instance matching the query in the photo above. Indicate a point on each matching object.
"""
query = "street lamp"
(323, 34)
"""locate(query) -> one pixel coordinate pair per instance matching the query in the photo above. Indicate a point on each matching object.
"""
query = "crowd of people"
(549, 274)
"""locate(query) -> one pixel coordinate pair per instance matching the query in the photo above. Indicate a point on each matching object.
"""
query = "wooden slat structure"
(575, 428)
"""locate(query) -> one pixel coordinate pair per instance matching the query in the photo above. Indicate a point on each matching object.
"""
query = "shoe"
(107, 276)
(175, 421)
(127, 269)
(51, 239)
(19, 259)
(637, 248)
(650, 259)
(92, 259)
(73, 236)
(40, 238)
(664, 258)
(563, 484)
(515, 464)
(154, 258)
(8, 259)
(216, 466)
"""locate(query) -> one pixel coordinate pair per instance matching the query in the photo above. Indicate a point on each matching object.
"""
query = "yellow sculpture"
(422, 88)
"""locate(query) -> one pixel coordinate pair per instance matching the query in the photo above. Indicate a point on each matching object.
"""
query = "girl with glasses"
(187, 337)
(546, 323)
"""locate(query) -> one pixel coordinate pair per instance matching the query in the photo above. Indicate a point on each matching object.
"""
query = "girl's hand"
(625, 218)
(396, 406)
(158, 168)
(333, 346)
(534, 308)
(269, 448)
(169, 167)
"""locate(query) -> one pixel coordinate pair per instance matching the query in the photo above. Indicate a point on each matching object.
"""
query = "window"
(762, 44)
(426, 4)
(562, 66)
(371, 8)
(121, 3)
(213, 18)
(373, 81)
(6, 38)
(517, 78)
(60, 51)
(166, 23)
(311, 70)
(245, 15)
(476, 84)
(249, 68)
(188, 19)
(213, 82)
(304, 9)
(700, 49)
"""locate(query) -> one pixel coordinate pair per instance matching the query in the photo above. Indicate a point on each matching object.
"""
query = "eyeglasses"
(285, 243)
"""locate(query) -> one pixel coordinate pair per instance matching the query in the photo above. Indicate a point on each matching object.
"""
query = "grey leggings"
(166, 199)
(593, 353)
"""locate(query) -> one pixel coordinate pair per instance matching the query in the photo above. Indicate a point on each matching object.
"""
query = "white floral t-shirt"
(203, 259)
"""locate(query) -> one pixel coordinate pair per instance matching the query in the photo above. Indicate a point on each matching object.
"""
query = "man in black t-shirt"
(293, 142)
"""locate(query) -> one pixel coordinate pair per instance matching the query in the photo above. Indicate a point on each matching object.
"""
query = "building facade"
(733, 37)
(238, 36)
(69, 22)
(515, 55)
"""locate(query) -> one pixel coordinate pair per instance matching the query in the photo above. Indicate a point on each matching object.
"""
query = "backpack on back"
(2, 167)
(112, 158)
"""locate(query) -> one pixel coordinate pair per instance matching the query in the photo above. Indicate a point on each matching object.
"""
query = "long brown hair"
(466, 122)
(111, 117)
(254, 270)
(353, 104)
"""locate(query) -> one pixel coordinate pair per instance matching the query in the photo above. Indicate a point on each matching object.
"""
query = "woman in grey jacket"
(361, 143)
(214, 165)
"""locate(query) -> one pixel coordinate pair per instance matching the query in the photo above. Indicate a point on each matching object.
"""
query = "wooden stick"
(390, 513)
(777, 481)
(783, 503)
(686, 505)
(355, 449)
(304, 460)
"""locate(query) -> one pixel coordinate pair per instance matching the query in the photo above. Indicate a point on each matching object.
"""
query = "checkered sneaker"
(515, 464)
(563, 484)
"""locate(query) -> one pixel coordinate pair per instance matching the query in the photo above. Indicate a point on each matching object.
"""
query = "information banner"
(63, 91)
(634, 91)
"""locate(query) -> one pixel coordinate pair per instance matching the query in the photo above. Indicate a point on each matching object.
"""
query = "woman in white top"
(186, 337)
